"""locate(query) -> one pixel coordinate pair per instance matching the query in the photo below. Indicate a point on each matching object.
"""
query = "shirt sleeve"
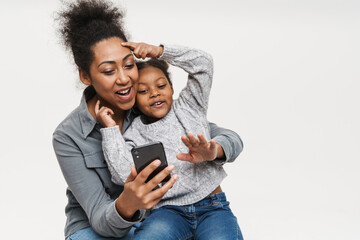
(89, 191)
(229, 140)
(117, 154)
(199, 66)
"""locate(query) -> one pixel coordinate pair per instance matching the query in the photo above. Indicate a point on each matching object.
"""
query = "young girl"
(195, 206)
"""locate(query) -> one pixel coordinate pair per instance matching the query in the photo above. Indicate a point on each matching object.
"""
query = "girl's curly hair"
(154, 62)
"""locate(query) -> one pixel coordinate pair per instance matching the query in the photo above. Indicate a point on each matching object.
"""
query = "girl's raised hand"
(104, 115)
(144, 50)
(200, 149)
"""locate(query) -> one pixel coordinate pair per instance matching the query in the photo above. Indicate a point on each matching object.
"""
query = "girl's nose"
(154, 93)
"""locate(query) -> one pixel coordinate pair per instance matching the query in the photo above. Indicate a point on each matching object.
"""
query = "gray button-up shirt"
(91, 194)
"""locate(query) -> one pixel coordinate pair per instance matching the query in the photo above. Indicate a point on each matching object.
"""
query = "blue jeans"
(89, 234)
(210, 218)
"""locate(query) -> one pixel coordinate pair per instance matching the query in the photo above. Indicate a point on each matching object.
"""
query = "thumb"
(132, 175)
(97, 107)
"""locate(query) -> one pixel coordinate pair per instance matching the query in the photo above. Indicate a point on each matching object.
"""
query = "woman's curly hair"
(86, 22)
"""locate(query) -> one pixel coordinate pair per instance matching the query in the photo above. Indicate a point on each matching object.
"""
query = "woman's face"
(113, 74)
(154, 97)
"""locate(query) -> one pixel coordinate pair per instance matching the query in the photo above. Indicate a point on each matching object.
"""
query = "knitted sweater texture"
(187, 115)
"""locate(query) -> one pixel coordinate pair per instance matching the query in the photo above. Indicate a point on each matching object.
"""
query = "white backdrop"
(287, 79)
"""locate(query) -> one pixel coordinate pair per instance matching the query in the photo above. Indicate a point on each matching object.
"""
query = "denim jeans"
(89, 234)
(210, 218)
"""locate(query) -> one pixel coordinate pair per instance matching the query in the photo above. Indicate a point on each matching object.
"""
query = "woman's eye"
(109, 72)
(129, 66)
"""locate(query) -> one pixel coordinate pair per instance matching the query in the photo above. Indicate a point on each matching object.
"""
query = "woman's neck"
(119, 114)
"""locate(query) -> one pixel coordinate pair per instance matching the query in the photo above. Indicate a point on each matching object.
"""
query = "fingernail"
(157, 162)
(171, 167)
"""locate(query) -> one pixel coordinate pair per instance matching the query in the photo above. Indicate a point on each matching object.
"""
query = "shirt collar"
(87, 121)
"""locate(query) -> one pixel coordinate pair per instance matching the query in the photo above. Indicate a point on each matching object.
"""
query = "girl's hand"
(144, 50)
(140, 195)
(104, 115)
(200, 150)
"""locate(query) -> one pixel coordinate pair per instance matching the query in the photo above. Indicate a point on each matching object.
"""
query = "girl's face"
(155, 94)
(113, 74)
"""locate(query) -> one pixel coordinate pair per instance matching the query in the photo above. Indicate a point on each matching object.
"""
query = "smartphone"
(143, 155)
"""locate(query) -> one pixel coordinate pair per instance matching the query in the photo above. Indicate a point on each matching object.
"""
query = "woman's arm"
(88, 189)
(108, 217)
(229, 141)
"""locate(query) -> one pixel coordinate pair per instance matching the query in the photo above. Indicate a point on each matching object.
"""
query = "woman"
(97, 207)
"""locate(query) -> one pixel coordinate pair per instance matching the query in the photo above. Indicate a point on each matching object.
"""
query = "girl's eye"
(162, 86)
(142, 91)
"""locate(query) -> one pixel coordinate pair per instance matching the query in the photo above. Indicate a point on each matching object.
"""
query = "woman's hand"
(200, 150)
(144, 50)
(140, 195)
(104, 115)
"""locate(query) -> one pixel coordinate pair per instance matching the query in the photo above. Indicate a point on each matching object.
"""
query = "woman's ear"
(84, 77)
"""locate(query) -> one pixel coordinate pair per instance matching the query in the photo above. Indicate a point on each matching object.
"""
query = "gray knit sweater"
(187, 115)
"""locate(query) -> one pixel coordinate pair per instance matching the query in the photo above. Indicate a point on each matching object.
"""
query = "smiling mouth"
(124, 92)
(156, 104)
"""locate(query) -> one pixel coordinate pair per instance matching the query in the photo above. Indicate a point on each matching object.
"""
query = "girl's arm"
(199, 66)
(117, 154)
(116, 150)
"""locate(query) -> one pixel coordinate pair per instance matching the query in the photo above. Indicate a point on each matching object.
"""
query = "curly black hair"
(86, 22)
(154, 62)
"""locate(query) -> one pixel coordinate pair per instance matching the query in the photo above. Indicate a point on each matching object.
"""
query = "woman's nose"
(122, 78)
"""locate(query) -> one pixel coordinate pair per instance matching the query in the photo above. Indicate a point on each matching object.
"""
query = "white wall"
(287, 79)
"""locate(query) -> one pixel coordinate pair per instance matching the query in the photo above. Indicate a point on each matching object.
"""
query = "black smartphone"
(143, 155)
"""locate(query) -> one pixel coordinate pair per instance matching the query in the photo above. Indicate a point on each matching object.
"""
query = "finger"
(97, 107)
(132, 175)
(143, 53)
(136, 53)
(193, 140)
(109, 111)
(145, 173)
(160, 192)
(131, 45)
(159, 177)
(133, 171)
(212, 144)
(186, 141)
(184, 157)
(202, 139)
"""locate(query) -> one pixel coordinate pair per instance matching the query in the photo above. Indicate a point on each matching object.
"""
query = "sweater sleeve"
(117, 154)
(229, 140)
(199, 66)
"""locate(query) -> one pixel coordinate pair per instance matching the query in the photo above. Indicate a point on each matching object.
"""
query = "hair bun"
(86, 22)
